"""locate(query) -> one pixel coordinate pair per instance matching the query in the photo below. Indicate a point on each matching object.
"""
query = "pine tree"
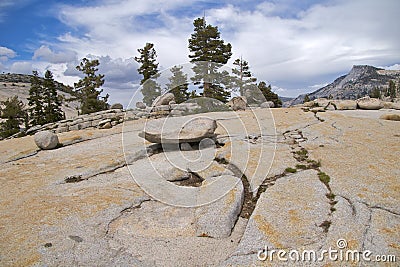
(52, 109)
(306, 99)
(178, 84)
(268, 94)
(243, 77)
(206, 45)
(149, 70)
(392, 89)
(35, 101)
(86, 88)
(14, 114)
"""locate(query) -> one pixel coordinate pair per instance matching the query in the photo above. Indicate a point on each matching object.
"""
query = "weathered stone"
(74, 127)
(321, 102)
(179, 129)
(176, 113)
(287, 215)
(218, 218)
(238, 103)
(117, 106)
(62, 129)
(103, 122)
(46, 140)
(186, 147)
(163, 99)
(391, 105)
(390, 117)
(143, 114)
(309, 104)
(140, 105)
(267, 104)
(106, 125)
(369, 103)
(345, 104)
(34, 129)
(161, 108)
(86, 124)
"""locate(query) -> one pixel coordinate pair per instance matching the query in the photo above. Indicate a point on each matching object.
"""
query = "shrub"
(290, 170)
(323, 177)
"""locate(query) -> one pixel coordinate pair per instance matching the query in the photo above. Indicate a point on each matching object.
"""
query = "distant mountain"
(357, 83)
(19, 85)
(285, 99)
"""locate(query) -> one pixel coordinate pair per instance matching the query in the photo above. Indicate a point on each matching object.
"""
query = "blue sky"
(297, 46)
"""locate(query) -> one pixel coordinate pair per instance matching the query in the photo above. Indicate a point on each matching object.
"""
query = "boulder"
(309, 104)
(140, 105)
(161, 108)
(179, 129)
(238, 103)
(391, 105)
(105, 124)
(369, 103)
(321, 102)
(163, 99)
(345, 104)
(46, 140)
(117, 106)
(267, 104)
(390, 117)
(186, 147)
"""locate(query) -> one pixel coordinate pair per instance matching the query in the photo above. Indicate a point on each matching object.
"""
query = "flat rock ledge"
(179, 129)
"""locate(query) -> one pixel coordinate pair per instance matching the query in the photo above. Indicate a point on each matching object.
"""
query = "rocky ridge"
(357, 83)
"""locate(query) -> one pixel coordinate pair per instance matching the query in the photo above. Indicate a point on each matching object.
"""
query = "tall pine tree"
(87, 87)
(35, 101)
(178, 84)
(243, 77)
(52, 108)
(207, 46)
(12, 110)
(149, 69)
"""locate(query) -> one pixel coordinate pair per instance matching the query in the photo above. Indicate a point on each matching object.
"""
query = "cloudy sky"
(297, 46)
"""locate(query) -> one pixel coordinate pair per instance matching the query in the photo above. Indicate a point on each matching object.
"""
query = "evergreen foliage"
(268, 94)
(12, 110)
(178, 84)
(206, 46)
(86, 88)
(35, 101)
(392, 89)
(52, 104)
(306, 99)
(149, 69)
(243, 77)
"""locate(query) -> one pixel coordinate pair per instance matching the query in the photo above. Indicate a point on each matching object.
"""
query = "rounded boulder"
(46, 140)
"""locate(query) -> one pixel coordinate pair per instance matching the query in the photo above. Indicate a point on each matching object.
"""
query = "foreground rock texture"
(85, 204)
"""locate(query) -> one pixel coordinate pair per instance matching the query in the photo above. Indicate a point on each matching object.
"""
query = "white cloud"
(392, 67)
(46, 54)
(292, 45)
(22, 67)
(6, 53)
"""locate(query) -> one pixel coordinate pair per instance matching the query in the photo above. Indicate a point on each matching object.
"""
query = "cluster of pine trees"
(44, 104)
(208, 53)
